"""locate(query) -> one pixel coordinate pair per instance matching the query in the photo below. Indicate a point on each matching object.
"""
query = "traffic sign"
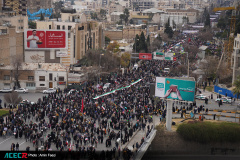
(174, 58)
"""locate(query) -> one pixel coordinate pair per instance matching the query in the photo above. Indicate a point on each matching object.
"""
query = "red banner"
(45, 39)
(146, 56)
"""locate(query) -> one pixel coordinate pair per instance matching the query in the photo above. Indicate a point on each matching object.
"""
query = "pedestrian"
(17, 147)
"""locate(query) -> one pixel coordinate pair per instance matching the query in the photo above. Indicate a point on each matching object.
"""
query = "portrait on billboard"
(35, 39)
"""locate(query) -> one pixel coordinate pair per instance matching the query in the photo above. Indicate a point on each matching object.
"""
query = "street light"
(99, 69)
(135, 50)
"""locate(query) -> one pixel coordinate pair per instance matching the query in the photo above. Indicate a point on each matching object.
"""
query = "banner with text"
(45, 39)
(175, 89)
(146, 56)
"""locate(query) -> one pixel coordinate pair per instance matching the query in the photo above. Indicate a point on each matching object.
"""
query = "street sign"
(158, 55)
(175, 89)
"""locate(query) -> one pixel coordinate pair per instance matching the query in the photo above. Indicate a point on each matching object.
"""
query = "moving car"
(200, 96)
(224, 100)
(6, 90)
(49, 90)
(21, 90)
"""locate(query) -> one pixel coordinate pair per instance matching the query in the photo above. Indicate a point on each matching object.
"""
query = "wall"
(11, 44)
(223, 92)
(125, 34)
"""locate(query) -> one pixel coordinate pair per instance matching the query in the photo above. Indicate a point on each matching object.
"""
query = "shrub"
(209, 132)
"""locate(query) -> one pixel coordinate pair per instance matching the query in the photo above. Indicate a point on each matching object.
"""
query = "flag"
(103, 108)
(82, 106)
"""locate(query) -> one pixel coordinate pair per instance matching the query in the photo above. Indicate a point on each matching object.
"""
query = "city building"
(36, 5)
(20, 22)
(82, 36)
(179, 16)
(11, 44)
(140, 5)
(236, 58)
(35, 76)
(18, 6)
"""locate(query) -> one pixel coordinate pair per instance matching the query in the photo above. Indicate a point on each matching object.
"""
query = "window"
(50, 77)
(50, 27)
(30, 78)
(6, 77)
(58, 26)
(69, 27)
(30, 84)
(41, 78)
(42, 84)
(6, 84)
(61, 79)
(63, 27)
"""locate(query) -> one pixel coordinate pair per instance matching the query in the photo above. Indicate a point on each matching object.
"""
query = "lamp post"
(99, 69)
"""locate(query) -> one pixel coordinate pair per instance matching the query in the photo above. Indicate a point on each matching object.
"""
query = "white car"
(21, 90)
(224, 100)
(49, 90)
(6, 90)
(200, 96)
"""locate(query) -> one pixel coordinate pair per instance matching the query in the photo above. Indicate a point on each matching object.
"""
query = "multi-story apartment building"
(82, 36)
(20, 22)
(140, 5)
(236, 58)
(18, 6)
(35, 5)
(11, 44)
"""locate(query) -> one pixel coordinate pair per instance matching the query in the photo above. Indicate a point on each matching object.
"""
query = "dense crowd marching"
(110, 119)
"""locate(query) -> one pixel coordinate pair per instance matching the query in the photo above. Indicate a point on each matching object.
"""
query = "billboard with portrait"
(178, 89)
(45, 39)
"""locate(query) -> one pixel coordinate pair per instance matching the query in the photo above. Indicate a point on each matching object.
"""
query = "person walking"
(17, 147)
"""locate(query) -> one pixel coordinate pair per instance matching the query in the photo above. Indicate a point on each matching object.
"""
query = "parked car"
(49, 90)
(224, 100)
(6, 90)
(200, 96)
(21, 90)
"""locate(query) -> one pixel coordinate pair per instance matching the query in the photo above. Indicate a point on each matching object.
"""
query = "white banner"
(61, 54)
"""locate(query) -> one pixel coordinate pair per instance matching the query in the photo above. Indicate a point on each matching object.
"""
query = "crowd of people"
(78, 122)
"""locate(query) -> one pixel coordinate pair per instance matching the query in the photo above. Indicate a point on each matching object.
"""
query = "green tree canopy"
(236, 89)
(168, 29)
(207, 21)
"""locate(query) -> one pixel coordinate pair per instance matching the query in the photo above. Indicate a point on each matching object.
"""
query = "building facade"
(236, 58)
(11, 44)
(36, 5)
(18, 6)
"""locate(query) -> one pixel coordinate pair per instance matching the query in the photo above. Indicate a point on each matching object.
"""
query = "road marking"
(21, 143)
(5, 140)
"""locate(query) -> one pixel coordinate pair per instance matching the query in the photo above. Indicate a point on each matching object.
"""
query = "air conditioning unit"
(1, 64)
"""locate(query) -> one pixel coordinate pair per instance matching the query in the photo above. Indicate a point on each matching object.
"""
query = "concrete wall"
(124, 34)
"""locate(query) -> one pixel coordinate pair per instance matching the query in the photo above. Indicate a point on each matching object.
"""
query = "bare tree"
(17, 65)
(12, 98)
(205, 35)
